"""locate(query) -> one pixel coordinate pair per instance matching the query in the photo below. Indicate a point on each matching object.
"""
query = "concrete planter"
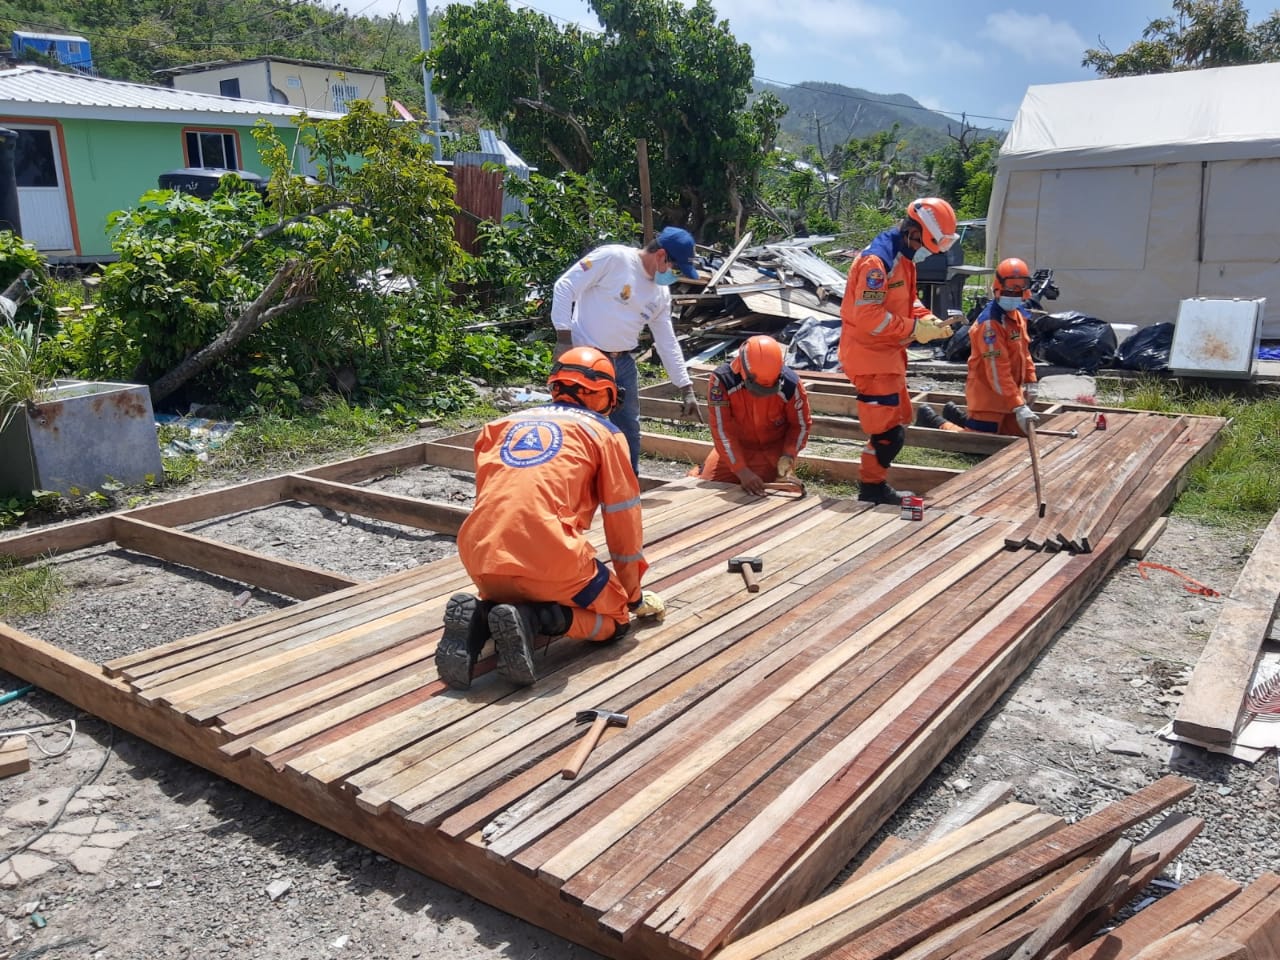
(80, 436)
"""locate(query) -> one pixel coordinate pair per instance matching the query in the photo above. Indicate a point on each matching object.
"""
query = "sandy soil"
(179, 863)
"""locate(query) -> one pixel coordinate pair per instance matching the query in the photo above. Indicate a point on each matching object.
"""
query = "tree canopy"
(577, 101)
(1201, 33)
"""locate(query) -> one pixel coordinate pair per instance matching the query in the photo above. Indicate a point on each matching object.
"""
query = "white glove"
(1026, 417)
(649, 605)
(689, 403)
(1031, 391)
(928, 329)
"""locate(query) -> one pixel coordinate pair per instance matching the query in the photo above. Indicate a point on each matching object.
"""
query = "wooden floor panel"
(770, 733)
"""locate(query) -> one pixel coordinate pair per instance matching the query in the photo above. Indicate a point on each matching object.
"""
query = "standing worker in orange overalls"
(759, 414)
(880, 314)
(1001, 383)
(540, 475)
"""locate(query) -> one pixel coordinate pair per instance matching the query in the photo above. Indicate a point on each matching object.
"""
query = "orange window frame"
(221, 131)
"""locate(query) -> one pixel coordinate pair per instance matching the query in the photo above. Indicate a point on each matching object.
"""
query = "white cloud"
(1034, 37)
(824, 22)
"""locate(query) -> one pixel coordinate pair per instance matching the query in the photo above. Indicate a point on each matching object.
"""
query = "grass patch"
(26, 590)
(1240, 485)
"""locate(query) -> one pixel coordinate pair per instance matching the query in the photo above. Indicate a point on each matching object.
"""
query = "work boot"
(466, 630)
(926, 416)
(951, 411)
(881, 493)
(514, 627)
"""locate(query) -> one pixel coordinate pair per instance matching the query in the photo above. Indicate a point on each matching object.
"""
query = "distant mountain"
(830, 113)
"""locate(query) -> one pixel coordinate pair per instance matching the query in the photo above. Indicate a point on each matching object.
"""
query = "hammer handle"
(750, 577)
(570, 769)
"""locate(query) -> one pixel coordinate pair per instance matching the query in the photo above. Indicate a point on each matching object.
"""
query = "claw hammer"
(599, 719)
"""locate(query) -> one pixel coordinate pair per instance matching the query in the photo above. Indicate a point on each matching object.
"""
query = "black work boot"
(926, 416)
(514, 626)
(466, 630)
(881, 493)
(951, 411)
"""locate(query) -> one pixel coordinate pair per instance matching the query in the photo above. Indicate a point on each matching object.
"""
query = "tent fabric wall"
(1140, 192)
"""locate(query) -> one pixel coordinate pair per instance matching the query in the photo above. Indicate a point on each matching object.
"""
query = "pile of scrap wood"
(757, 289)
(1006, 880)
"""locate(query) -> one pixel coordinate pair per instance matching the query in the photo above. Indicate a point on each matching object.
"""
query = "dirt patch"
(175, 862)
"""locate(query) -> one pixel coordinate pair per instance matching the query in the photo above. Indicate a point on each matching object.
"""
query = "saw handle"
(572, 768)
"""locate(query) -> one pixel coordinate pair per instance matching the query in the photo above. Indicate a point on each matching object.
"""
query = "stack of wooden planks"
(770, 734)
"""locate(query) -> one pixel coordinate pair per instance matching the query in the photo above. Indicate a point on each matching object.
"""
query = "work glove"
(786, 468)
(649, 605)
(1031, 391)
(928, 329)
(689, 403)
(1026, 417)
(751, 481)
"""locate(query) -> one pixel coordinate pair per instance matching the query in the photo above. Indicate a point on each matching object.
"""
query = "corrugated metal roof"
(32, 35)
(38, 91)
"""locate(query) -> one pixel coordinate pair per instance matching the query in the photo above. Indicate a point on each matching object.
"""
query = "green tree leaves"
(1202, 33)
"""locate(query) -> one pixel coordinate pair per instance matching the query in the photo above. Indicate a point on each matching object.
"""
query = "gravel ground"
(171, 861)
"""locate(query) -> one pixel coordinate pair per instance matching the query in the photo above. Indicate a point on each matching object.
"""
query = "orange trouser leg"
(1005, 423)
(597, 621)
(883, 403)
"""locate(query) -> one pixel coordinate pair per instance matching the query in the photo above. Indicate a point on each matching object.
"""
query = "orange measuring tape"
(1191, 586)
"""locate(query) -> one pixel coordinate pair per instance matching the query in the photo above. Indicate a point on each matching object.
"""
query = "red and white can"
(1100, 422)
(913, 508)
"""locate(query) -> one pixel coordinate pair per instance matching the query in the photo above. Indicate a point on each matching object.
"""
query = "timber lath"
(770, 733)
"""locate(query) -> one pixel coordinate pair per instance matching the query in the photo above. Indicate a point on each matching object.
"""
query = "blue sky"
(974, 56)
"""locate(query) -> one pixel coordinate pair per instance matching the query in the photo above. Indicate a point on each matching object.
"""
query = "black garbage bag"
(956, 347)
(1146, 349)
(1074, 340)
(813, 344)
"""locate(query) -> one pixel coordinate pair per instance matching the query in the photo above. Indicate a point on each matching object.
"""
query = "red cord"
(1191, 586)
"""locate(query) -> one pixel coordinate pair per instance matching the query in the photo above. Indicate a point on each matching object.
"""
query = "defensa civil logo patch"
(875, 278)
(531, 442)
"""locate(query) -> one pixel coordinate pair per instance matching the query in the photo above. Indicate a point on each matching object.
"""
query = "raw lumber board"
(1212, 707)
(14, 758)
(740, 651)
(1142, 546)
(1051, 599)
(854, 908)
(702, 911)
(1251, 918)
(297, 580)
(1188, 904)
(987, 885)
(578, 853)
(443, 518)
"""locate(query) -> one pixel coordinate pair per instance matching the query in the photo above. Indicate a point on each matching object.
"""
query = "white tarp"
(1141, 192)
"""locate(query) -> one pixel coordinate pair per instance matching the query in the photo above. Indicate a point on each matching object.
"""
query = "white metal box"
(1217, 337)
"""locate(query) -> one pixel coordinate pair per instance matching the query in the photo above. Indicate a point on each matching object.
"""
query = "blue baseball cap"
(679, 246)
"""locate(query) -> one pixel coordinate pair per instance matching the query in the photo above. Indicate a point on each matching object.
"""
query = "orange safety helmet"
(586, 376)
(1013, 279)
(937, 222)
(759, 363)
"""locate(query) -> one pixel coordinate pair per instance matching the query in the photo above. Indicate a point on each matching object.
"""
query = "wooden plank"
(238, 565)
(14, 758)
(1188, 904)
(1142, 546)
(410, 511)
(64, 538)
(1213, 705)
(369, 464)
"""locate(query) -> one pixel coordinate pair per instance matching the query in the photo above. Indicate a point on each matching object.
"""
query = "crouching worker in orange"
(1001, 383)
(759, 417)
(540, 475)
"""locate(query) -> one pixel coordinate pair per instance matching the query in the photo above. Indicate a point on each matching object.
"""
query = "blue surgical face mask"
(1010, 303)
(664, 278)
(921, 255)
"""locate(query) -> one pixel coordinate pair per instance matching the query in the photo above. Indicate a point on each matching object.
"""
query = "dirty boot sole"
(514, 639)
(454, 660)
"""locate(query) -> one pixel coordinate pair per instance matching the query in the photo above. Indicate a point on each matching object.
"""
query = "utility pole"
(433, 114)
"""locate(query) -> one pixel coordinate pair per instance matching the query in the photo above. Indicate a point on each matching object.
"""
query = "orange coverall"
(999, 364)
(540, 475)
(877, 319)
(753, 431)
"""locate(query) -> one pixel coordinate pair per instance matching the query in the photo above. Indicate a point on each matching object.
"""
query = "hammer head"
(611, 719)
(737, 563)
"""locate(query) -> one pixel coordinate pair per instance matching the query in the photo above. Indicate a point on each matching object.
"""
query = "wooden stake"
(646, 200)
(1035, 467)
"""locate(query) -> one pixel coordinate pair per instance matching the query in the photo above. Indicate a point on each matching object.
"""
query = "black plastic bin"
(202, 181)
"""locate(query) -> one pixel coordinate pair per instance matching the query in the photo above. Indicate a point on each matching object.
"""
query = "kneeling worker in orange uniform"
(759, 416)
(540, 475)
(880, 314)
(1001, 383)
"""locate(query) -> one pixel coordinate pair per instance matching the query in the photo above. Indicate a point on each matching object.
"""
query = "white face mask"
(1009, 303)
(921, 255)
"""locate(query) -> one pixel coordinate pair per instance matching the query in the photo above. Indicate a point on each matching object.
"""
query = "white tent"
(1140, 192)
